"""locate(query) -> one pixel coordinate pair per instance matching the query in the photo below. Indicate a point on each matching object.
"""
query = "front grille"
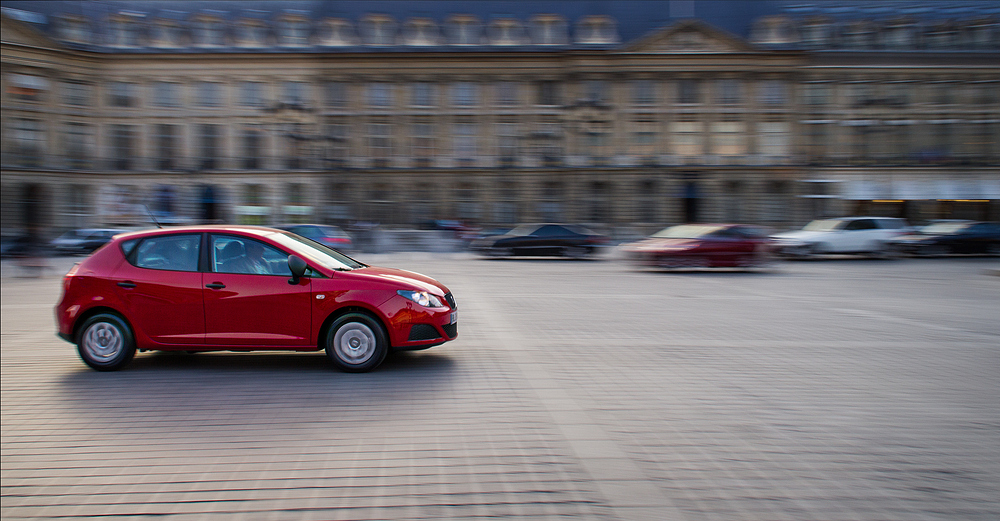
(423, 332)
(451, 301)
(451, 330)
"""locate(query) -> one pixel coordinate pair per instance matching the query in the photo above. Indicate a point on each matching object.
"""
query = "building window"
(123, 146)
(505, 209)
(465, 94)
(380, 142)
(122, 94)
(687, 138)
(596, 30)
(816, 35)
(465, 140)
(899, 36)
(336, 94)
(78, 143)
(596, 91)
(643, 92)
(689, 92)
(548, 142)
(817, 94)
(773, 93)
(253, 146)
(778, 200)
(818, 140)
(209, 137)
(643, 137)
(548, 93)
(77, 94)
(424, 148)
(508, 135)
(294, 33)
(548, 30)
(379, 31)
(648, 197)
(336, 132)
(166, 146)
(208, 33)
(167, 34)
(124, 33)
(379, 95)
(507, 31)
(337, 33)
(421, 32)
(209, 94)
(774, 139)
(252, 34)
(29, 141)
(165, 94)
(466, 202)
(250, 94)
(728, 138)
(464, 31)
(295, 92)
(422, 94)
(75, 30)
(506, 92)
(730, 91)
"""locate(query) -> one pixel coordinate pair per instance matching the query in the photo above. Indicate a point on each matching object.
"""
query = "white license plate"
(454, 317)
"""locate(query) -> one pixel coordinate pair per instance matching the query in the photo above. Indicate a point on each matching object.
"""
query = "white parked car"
(867, 235)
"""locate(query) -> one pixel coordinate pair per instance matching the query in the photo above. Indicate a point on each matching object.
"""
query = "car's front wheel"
(106, 342)
(356, 343)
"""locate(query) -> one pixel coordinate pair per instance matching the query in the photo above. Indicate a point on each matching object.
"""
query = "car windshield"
(686, 231)
(316, 252)
(824, 225)
(525, 229)
(944, 228)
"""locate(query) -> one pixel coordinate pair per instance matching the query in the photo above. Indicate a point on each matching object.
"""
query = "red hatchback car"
(703, 246)
(245, 288)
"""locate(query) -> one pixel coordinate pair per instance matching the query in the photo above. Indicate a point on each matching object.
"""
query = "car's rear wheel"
(356, 343)
(106, 342)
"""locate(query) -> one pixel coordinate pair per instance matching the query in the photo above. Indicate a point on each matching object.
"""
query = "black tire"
(356, 343)
(106, 342)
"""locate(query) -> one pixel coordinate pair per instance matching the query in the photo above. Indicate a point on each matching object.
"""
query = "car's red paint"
(703, 245)
(207, 310)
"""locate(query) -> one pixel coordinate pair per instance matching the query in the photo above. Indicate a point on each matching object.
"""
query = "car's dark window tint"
(128, 246)
(861, 224)
(169, 252)
(551, 231)
(231, 254)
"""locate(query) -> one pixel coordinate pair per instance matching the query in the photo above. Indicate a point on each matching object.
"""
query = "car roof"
(260, 231)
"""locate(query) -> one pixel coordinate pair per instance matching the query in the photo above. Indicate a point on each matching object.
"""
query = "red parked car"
(245, 288)
(703, 246)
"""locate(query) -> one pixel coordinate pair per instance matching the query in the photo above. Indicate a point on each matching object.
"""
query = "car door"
(162, 290)
(248, 301)
(857, 235)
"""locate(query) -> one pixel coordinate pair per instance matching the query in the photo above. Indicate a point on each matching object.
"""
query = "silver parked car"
(864, 235)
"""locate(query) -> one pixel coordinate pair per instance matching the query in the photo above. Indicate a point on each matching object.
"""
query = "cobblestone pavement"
(832, 390)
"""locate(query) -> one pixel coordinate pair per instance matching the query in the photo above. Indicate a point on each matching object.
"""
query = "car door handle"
(215, 285)
(127, 284)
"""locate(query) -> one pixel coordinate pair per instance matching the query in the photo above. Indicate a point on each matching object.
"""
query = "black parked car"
(542, 240)
(943, 238)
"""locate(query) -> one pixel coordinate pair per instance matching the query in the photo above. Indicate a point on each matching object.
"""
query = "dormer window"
(899, 35)
(379, 30)
(421, 32)
(773, 30)
(983, 35)
(464, 30)
(294, 32)
(336, 32)
(252, 33)
(507, 31)
(816, 33)
(167, 34)
(74, 30)
(125, 30)
(548, 30)
(208, 33)
(596, 30)
(859, 35)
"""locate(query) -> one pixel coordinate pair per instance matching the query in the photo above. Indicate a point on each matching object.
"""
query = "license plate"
(454, 317)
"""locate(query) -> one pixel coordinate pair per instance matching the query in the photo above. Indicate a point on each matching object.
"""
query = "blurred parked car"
(703, 246)
(84, 240)
(567, 240)
(461, 230)
(867, 235)
(325, 234)
(253, 289)
(945, 237)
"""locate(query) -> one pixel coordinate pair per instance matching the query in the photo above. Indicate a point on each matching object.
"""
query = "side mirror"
(298, 268)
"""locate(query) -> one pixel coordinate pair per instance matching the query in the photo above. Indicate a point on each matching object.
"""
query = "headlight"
(422, 297)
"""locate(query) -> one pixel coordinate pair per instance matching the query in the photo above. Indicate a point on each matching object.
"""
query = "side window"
(247, 256)
(169, 252)
(551, 231)
(861, 224)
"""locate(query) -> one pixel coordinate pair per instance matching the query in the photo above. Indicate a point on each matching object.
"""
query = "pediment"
(690, 37)
(15, 32)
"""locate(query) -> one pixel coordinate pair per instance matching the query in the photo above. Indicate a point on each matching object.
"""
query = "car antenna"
(151, 216)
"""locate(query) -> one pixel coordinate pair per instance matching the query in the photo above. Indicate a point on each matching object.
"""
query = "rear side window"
(169, 252)
(861, 224)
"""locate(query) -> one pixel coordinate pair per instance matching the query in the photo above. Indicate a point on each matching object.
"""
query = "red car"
(703, 246)
(245, 288)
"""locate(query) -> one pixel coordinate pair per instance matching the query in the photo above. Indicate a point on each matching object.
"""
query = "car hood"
(655, 243)
(402, 278)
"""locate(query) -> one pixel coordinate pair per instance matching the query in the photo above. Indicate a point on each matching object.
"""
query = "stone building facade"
(557, 114)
